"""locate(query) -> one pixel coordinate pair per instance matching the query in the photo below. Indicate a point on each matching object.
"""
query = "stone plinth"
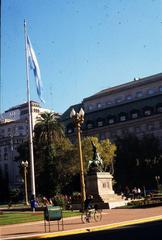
(99, 185)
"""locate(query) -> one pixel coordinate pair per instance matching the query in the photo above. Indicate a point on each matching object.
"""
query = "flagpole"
(33, 192)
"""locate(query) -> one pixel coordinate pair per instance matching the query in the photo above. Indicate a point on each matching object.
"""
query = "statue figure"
(96, 164)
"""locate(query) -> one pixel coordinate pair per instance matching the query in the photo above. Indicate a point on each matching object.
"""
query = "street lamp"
(78, 119)
(25, 166)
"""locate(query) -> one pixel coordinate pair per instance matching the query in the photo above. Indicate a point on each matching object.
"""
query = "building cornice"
(125, 86)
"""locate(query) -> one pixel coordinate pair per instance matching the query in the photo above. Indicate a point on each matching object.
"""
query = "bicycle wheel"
(97, 216)
(84, 217)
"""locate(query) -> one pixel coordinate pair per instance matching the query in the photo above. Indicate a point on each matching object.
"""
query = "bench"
(154, 197)
(53, 213)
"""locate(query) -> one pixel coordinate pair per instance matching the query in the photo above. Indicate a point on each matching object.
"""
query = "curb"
(86, 230)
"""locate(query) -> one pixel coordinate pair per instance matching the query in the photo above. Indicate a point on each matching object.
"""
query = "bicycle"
(90, 214)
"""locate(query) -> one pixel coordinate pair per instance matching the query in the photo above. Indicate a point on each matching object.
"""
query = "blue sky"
(82, 46)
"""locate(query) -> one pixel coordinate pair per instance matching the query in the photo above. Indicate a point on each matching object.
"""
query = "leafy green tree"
(137, 161)
(149, 160)
(125, 163)
(105, 148)
(108, 152)
(67, 166)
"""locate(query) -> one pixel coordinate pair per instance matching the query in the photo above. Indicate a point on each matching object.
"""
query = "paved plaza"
(111, 219)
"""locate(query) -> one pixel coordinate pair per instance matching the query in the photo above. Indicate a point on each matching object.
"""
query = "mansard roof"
(136, 82)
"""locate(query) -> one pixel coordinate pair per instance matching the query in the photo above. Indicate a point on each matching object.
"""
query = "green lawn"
(23, 217)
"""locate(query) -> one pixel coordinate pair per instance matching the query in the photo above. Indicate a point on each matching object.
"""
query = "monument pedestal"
(99, 184)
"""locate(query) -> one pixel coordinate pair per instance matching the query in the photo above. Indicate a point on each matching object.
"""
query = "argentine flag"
(35, 67)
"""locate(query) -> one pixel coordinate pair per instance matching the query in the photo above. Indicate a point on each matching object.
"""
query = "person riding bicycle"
(90, 210)
(88, 204)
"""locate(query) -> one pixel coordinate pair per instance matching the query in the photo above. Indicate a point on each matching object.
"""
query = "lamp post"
(25, 166)
(78, 119)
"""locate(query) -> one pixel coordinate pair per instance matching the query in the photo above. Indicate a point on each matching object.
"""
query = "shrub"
(76, 198)
(60, 200)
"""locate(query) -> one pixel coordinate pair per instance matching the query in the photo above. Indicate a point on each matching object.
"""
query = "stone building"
(134, 107)
(13, 132)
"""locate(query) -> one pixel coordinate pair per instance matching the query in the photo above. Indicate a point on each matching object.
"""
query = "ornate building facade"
(134, 107)
(13, 132)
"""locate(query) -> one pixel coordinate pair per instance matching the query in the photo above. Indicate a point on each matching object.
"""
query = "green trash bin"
(53, 213)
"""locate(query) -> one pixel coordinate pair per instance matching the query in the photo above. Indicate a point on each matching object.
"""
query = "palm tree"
(48, 128)
(47, 133)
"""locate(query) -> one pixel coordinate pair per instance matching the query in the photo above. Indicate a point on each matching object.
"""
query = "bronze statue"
(96, 164)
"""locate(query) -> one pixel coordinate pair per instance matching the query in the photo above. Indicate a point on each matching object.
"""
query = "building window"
(70, 130)
(100, 123)
(123, 118)
(89, 125)
(108, 103)
(118, 100)
(129, 97)
(111, 120)
(159, 108)
(36, 110)
(134, 114)
(147, 112)
(150, 91)
(90, 107)
(139, 94)
(160, 89)
(99, 105)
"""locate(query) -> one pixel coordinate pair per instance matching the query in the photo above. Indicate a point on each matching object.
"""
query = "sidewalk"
(110, 219)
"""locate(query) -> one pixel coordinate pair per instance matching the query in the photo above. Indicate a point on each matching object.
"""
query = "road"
(144, 231)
